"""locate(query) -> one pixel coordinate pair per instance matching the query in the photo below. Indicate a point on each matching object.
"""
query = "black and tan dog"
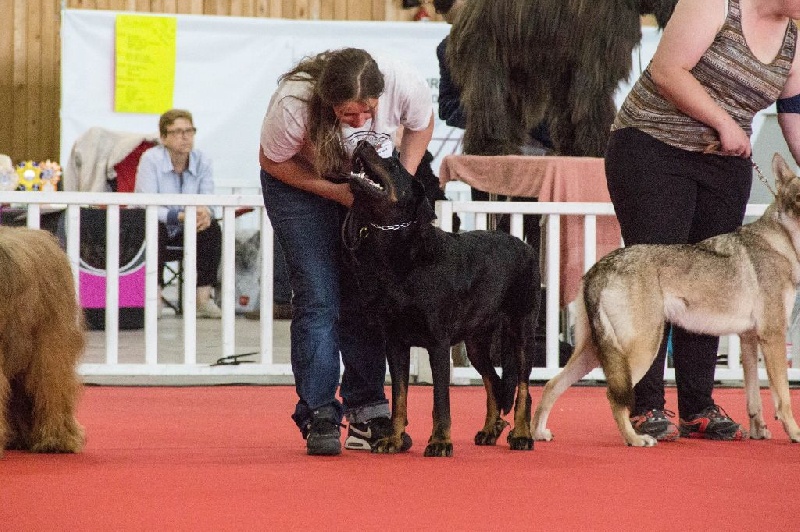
(742, 283)
(432, 289)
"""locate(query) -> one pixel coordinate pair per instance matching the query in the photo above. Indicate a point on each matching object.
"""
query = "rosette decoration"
(29, 174)
(50, 175)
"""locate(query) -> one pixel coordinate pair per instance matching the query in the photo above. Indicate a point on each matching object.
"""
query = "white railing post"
(151, 282)
(190, 285)
(112, 284)
(589, 241)
(228, 280)
(72, 231)
(34, 215)
(552, 282)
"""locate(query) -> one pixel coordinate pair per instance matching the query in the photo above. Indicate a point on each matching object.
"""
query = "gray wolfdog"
(737, 283)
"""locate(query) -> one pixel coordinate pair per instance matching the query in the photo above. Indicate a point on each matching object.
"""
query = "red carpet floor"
(229, 458)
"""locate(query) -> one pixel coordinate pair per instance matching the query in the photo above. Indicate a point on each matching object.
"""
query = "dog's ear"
(783, 174)
(425, 213)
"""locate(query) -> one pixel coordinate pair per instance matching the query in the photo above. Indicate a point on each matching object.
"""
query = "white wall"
(226, 71)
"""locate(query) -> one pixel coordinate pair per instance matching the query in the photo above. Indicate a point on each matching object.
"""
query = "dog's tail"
(508, 362)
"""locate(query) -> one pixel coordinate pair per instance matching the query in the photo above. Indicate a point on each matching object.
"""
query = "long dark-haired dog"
(520, 63)
(41, 340)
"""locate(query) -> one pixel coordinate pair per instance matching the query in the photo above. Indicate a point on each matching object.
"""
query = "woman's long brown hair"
(337, 76)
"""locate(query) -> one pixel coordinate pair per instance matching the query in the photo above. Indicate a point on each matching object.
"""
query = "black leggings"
(666, 195)
(209, 252)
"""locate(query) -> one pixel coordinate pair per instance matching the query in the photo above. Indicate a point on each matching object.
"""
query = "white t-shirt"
(406, 101)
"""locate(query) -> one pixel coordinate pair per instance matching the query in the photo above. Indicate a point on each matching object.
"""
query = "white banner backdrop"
(226, 71)
(228, 67)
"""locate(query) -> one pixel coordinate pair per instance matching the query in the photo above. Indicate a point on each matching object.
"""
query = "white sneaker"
(209, 310)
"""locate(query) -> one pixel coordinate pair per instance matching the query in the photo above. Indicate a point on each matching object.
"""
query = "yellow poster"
(145, 64)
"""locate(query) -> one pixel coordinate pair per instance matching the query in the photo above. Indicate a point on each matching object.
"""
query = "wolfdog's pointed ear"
(425, 213)
(783, 174)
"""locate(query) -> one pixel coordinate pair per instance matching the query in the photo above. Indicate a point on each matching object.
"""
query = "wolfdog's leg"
(755, 411)
(620, 395)
(583, 360)
(624, 366)
(774, 349)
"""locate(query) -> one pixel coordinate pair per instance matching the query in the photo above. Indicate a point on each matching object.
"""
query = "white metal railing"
(552, 213)
(71, 202)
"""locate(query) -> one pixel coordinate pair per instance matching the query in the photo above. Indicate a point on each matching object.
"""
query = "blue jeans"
(327, 317)
(281, 291)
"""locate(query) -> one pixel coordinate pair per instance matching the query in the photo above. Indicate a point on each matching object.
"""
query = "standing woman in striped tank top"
(679, 170)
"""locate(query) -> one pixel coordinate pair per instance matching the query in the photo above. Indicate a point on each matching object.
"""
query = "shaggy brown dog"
(523, 62)
(41, 339)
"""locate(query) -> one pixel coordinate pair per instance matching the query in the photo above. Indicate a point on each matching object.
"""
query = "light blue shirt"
(155, 174)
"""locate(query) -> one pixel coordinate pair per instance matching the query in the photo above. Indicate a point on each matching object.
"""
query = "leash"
(350, 234)
(713, 148)
(762, 178)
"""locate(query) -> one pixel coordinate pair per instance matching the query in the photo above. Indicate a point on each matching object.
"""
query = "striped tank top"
(736, 80)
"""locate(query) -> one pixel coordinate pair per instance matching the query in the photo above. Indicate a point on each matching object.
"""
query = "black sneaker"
(655, 423)
(322, 437)
(362, 436)
(711, 424)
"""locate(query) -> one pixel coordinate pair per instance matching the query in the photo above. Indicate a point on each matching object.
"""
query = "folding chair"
(173, 277)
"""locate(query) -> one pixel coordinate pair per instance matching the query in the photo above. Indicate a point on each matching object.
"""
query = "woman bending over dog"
(317, 115)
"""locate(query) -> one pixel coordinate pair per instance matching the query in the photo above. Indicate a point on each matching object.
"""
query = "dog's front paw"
(642, 440)
(439, 449)
(485, 438)
(489, 434)
(543, 435)
(390, 445)
(520, 443)
(760, 432)
(15, 442)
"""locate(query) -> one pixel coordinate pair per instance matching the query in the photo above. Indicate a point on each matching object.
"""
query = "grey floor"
(170, 341)
(170, 331)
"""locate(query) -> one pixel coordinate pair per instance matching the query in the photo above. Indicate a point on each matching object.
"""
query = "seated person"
(175, 167)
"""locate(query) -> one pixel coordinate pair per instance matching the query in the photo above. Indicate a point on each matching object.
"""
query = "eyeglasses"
(188, 132)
